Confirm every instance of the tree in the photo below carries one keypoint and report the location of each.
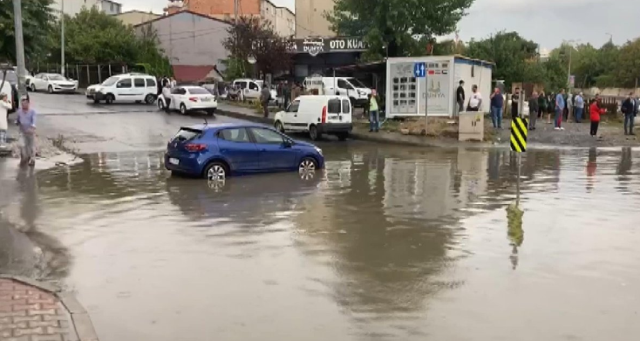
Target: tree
(256, 38)
(511, 54)
(627, 70)
(390, 24)
(36, 25)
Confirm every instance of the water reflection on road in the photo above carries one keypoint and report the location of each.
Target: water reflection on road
(387, 243)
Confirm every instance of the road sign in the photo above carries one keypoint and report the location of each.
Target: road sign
(519, 133)
(419, 70)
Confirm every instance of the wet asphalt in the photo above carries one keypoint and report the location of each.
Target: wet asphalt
(388, 243)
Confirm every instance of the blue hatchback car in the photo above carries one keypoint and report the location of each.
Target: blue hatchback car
(218, 151)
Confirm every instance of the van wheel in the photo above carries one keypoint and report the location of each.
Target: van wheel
(183, 109)
(314, 134)
(109, 98)
(149, 99)
(343, 136)
(279, 127)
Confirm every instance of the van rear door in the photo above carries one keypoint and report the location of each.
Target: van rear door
(347, 111)
(334, 111)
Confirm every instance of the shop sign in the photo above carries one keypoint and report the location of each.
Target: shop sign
(315, 46)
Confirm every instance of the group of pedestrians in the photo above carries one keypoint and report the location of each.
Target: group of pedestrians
(26, 121)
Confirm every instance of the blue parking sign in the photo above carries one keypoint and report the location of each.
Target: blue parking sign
(419, 70)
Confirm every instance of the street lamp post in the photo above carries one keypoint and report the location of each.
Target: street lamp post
(17, 16)
(62, 62)
(570, 43)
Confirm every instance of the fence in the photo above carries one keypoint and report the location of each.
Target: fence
(85, 74)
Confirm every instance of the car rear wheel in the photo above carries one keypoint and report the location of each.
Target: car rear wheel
(149, 99)
(109, 99)
(279, 127)
(314, 134)
(307, 165)
(216, 171)
(50, 89)
(183, 109)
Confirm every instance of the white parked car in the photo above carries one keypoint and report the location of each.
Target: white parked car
(8, 86)
(251, 88)
(317, 115)
(190, 98)
(346, 86)
(51, 82)
(128, 87)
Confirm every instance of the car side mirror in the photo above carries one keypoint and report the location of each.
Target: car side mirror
(287, 143)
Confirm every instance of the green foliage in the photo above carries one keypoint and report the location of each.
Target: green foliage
(594, 67)
(36, 19)
(94, 37)
(390, 24)
(256, 38)
(235, 68)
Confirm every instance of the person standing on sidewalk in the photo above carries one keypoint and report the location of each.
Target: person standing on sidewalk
(534, 108)
(5, 106)
(374, 118)
(27, 125)
(265, 96)
(594, 113)
(475, 101)
(579, 107)
(497, 102)
(560, 106)
(515, 99)
(542, 104)
(460, 96)
(628, 108)
(569, 107)
(551, 106)
(286, 93)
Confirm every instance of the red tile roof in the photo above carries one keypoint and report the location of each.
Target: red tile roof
(191, 73)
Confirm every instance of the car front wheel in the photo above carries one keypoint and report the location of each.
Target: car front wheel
(32, 87)
(160, 104)
(50, 89)
(109, 99)
(279, 127)
(307, 165)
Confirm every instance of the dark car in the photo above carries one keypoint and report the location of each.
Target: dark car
(217, 151)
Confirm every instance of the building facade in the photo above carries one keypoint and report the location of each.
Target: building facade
(282, 18)
(136, 17)
(310, 18)
(73, 7)
(192, 42)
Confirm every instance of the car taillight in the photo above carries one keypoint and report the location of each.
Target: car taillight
(195, 147)
(193, 99)
(324, 114)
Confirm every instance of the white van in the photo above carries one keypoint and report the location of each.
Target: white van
(8, 86)
(251, 88)
(345, 86)
(317, 115)
(128, 87)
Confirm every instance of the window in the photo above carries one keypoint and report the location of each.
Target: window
(178, 91)
(293, 107)
(139, 83)
(110, 81)
(151, 83)
(125, 83)
(253, 86)
(198, 91)
(346, 107)
(267, 136)
(55, 77)
(234, 135)
(242, 85)
(187, 134)
(342, 84)
(334, 106)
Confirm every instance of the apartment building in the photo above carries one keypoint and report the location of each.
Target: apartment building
(310, 18)
(73, 7)
(282, 19)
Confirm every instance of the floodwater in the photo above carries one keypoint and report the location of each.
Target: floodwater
(386, 244)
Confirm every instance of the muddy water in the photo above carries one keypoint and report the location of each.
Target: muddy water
(386, 244)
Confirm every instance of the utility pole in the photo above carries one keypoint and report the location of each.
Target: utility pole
(17, 15)
(62, 62)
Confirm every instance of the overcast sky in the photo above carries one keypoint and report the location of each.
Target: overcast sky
(546, 22)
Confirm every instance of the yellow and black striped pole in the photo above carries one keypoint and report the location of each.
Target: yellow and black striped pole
(519, 133)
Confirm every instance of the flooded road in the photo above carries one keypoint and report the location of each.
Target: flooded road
(386, 244)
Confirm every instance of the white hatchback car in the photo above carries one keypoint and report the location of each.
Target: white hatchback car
(190, 98)
(51, 82)
(128, 87)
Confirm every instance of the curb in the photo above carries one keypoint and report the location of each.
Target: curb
(80, 319)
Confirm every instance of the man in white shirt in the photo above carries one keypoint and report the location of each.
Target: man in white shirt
(475, 101)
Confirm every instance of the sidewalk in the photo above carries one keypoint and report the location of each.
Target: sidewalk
(32, 311)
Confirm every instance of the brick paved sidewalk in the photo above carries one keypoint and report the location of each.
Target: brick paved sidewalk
(30, 311)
